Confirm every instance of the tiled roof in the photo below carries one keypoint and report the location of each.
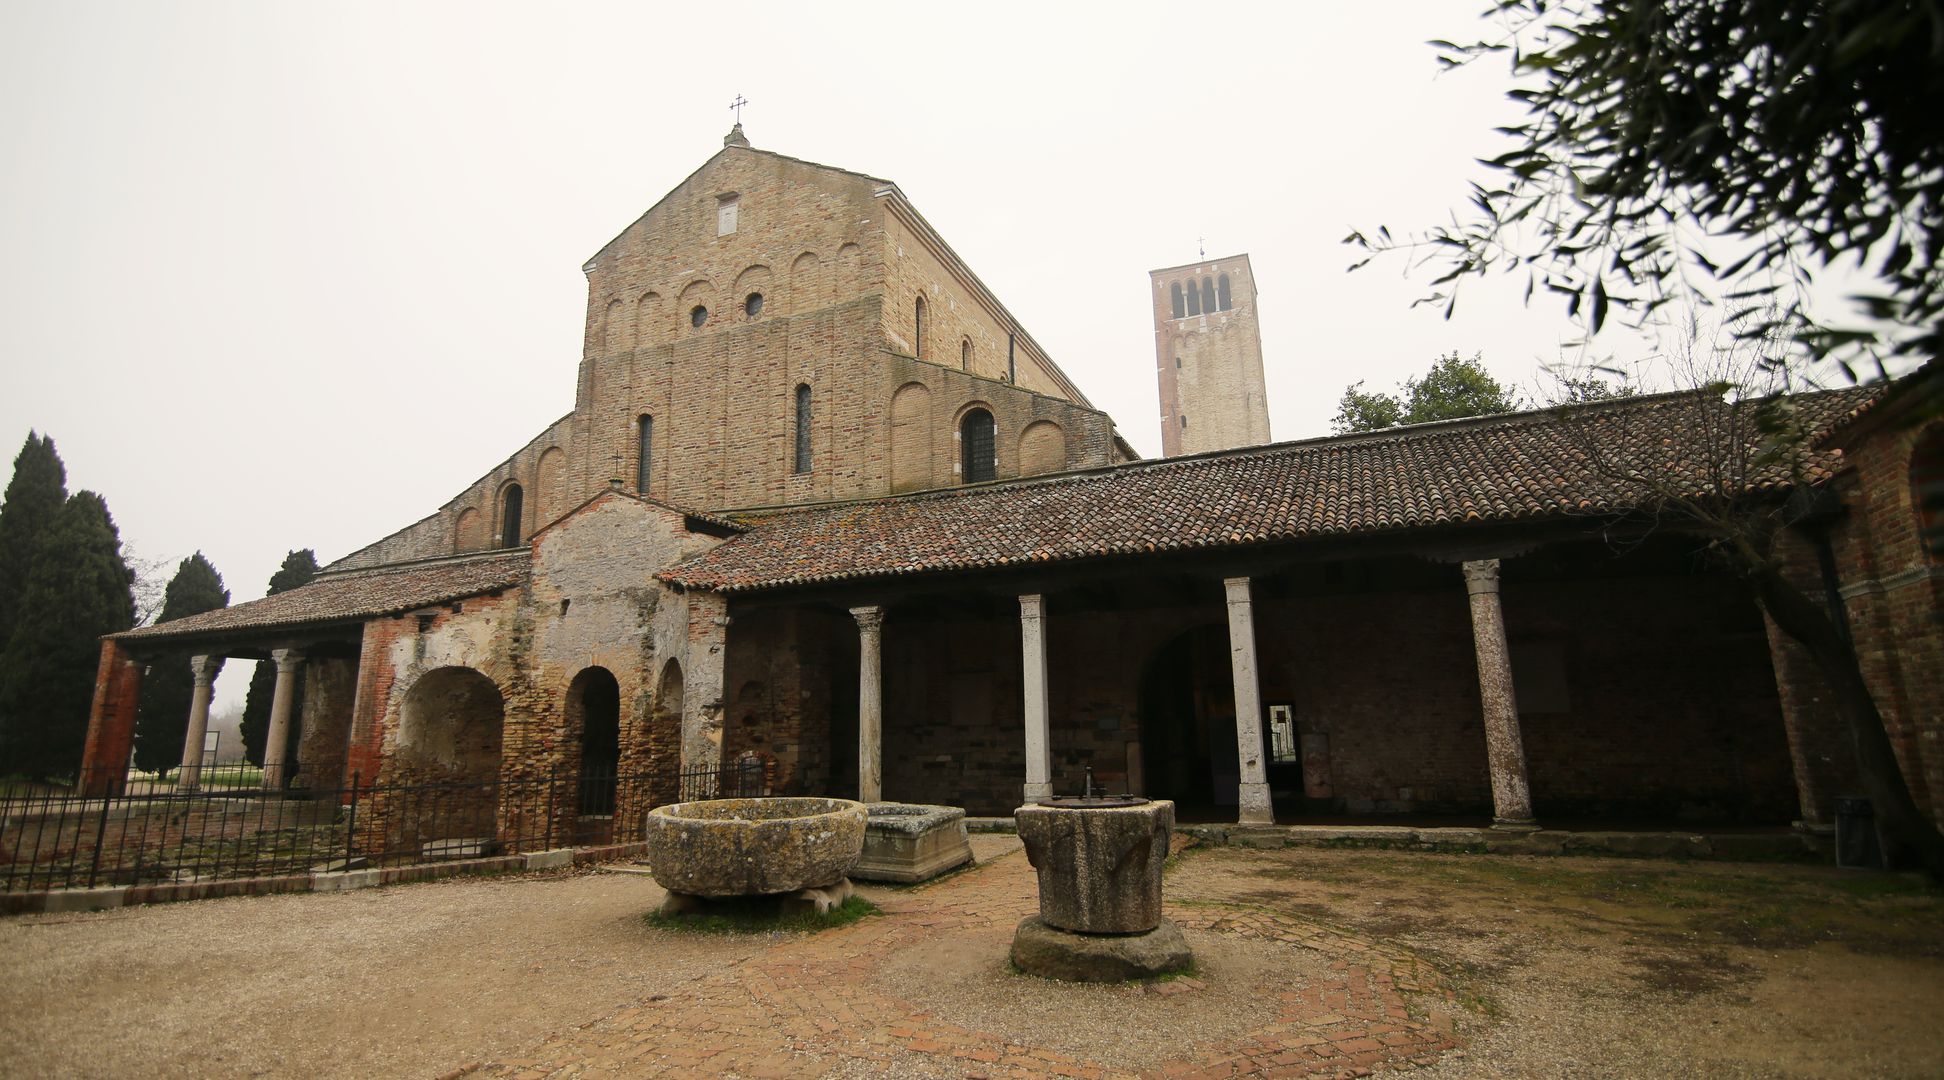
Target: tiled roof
(1515, 467)
(355, 595)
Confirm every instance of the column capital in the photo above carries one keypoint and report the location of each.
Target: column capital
(869, 619)
(1481, 576)
(204, 668)
(286, 659)
(1237, 589)
(1031, 605)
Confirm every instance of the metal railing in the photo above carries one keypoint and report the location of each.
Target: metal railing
(149, 832)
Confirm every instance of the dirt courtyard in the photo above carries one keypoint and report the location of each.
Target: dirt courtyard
(1309, 962)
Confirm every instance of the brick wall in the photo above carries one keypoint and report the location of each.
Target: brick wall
(1892, 590)
(839, 262)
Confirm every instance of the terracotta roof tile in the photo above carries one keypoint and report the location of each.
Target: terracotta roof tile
(1515, 467)
(355, 595)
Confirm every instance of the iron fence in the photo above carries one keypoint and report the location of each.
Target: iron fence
(147, 832)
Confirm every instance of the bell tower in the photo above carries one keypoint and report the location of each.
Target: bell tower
(1208, 357)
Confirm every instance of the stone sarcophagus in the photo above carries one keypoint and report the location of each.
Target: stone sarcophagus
(908, 843)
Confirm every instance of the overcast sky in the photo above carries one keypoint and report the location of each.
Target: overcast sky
(279, 276)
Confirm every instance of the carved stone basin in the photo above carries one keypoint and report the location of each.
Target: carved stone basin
(754, 847)
(1099, 866)
(1099, 860)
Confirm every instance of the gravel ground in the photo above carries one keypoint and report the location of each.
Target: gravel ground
(1606, 967)
(1565, 967)
(400, 981)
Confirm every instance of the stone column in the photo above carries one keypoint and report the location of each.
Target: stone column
(1256, 808)
(870, 704)
(1504, 751)
(1032, 647)
(204, 668)
(288, 662)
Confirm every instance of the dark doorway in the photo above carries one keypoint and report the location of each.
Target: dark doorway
(843, 668)
(1187, 704)
(596, 697)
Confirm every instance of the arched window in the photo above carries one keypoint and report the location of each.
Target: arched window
(510, 509)
(1927, 491)
(1175, 302)
(753, 304)
(977, 441)
(1208, 294)
(965, 354)
(644, 453)
(1222, 292)
(698, 315)
(918, 328)
(802, 428)
(1194, 299)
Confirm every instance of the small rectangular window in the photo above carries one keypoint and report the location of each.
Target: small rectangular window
(726, 215)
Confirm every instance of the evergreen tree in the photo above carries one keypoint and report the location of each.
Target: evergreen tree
(35, 495)
(298, 568)
(162, 717)
(78, 590)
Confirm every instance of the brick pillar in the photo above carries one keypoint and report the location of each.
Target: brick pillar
(204, 668)
(1253, 794)
(364, 748)
(288, 662)
(1504, 750)
(870, 704)
(1032, 647)
(111, 722)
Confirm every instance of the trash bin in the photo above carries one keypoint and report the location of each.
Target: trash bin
(1856, 835)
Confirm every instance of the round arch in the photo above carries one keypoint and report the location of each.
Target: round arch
(450, 728)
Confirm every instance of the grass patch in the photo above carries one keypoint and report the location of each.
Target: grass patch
(761, 915)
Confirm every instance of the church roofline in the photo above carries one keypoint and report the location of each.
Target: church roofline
(902, 205)
(588, 266)
(909, 213)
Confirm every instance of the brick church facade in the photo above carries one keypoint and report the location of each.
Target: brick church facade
(824, 504)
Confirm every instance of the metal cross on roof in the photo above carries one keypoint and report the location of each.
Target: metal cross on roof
(737, 106)
(1201, 247)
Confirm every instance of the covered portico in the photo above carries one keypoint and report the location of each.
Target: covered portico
(1403, 624)
(1380, 679)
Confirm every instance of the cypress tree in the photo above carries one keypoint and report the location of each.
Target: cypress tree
(162, 715)
(35, 495)
(298, 568)
(78, 590)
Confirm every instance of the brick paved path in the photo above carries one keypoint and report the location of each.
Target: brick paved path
(805, 1006)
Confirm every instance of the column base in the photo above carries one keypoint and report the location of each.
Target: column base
(1257, 808)
(1515, 824)
(1033, 793)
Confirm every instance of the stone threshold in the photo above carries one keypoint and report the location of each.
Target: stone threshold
(1730, 846)
(114, 896)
